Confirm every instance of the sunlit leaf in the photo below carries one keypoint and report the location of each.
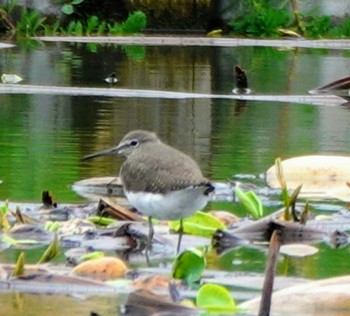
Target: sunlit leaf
(16, 242)
(251, 202)
(200, 224)
(51, 251)
(92, 255)
(52, 226)
(100, 220)
(4, 223)
(19, 268)
(215, 299)
(189, 265)
(257, 202)
(4, 208)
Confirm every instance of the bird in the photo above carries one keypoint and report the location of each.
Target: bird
(160, 181)
(241, 81)
(112, 78)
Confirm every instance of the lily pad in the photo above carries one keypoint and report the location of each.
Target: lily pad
(189, 265)
(200, 224)
(215, 299)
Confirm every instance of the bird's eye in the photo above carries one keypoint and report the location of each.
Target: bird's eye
(134, 143)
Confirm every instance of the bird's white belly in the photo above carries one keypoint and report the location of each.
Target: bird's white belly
(169, 206)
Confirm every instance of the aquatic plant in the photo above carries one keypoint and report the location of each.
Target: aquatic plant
(316, 27)
(135, 23)
(30, 23)
(69, 7)
(261, 21)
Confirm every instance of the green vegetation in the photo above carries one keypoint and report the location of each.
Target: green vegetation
(261, 22)
(29, 23)
(261, 18)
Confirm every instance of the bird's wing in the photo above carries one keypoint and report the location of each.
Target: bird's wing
(173, 170)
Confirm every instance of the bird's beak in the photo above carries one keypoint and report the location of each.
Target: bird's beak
(105, 152)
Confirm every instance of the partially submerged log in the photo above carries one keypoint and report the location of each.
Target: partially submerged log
(338, 87)
(321, 176)
(323, 297)
(260, 232)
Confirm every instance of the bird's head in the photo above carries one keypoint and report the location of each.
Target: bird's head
(130, 142)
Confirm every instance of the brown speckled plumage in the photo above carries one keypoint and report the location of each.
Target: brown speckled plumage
(156, 167)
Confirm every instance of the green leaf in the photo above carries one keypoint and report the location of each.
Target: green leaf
(92, 255)
(251, 202)
(17, 242)
(51, 251)
(19, 268)
(67, 9)
(52, 226)
(75, 2)
(257, 202)
(100, 220)
(135, 22)
(200, 224)
(215, 299)
(4, 209)
(189, 265)
(78, 29)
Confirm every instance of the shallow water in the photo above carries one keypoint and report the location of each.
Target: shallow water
(43, 137)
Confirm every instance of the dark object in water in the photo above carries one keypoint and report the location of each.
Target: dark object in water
(241, 81)
(270, 272)
(107, 207)
(261, 231)
(47, 200)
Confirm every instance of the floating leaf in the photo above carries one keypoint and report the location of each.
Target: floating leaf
(251, 202)
(215, 299)
(189, 265)
(51, 251)
(16, 242)
(200, 224)
(92, 255)
(19, 268)
(100, 220)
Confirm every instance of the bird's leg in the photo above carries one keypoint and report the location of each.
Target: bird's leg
(150, 234)
(181, 230)
(109, 186)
